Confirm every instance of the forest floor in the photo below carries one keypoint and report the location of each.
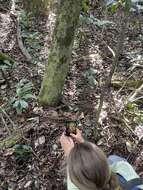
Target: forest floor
(120, 128)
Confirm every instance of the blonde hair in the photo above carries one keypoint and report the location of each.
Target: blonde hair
(88, 168)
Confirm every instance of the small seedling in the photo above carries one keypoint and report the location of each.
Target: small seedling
(23, 94)
(21, 151)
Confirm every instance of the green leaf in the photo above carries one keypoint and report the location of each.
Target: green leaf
(92, 81)
(5, 64)
(29, 96)
(20, 104)
(22, 150)
(114, 7)
(128, 5)
(18, 92)
(131, 106)
(16, 104)
(23, 104)
(93, 20)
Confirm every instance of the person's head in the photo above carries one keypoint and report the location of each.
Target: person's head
(88, 168)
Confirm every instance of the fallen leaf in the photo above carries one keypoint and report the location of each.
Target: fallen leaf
(3, 86)
(38, 110)
(53, 113)
(28, 184)
(8, 152)
(81, 116)
(130, 146)
(40, 141)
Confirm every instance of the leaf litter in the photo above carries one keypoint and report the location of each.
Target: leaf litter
(41, 169)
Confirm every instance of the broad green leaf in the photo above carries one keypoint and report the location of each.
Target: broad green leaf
(20, 104)
(16, 104)
(23, 104)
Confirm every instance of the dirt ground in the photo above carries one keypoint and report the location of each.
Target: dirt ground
(42, 168)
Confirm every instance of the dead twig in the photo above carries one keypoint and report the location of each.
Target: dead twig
(20, 43)
(127, 125)
(5, 125)
(7, 116)
(133, 96)
(123, 120)
(33, 152)
(124, 84)
(4, 77)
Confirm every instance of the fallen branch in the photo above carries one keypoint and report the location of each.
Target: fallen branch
(10, 141)
(13, 138)
(128, 83)
(20, 43)
(124, 84)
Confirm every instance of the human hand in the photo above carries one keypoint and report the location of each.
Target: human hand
(66, 143)
(78, 137)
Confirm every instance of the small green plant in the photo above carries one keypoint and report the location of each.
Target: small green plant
(23, 94)
(87, 20)
(90, 76)
(6, 62)
(21, 151)
(24, 19)
(85, 5)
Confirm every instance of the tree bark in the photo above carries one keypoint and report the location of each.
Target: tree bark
(60, 53)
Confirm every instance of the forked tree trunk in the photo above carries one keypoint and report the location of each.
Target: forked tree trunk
(60, 53)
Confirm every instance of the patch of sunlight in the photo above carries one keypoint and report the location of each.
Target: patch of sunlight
(95, 56)
(47, 41)
(12, 10)
(4, 27)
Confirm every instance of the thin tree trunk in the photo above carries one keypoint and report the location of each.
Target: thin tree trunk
(120, 45)
(60, 53)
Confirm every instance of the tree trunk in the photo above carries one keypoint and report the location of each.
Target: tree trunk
(37, 7)
(60, 53)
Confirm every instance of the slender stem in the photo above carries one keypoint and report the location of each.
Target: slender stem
(118, 52)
